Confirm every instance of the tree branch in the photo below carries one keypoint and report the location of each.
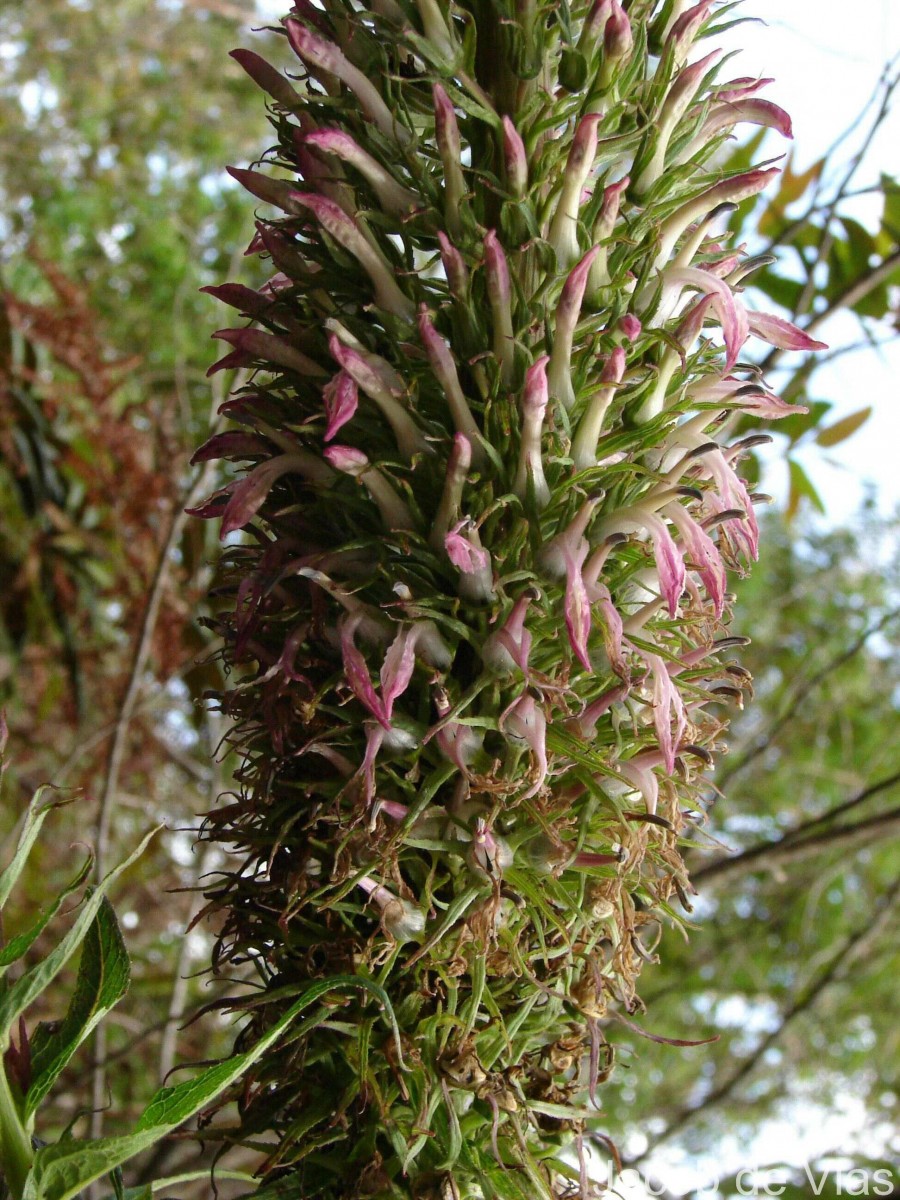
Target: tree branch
(856, 945)
(786, 850)
(798, 695)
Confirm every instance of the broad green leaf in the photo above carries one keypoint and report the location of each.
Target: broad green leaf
(34, 819)
(18, 945)
(61, 1171)
(834, 434)
(103, 977)
(26, 989)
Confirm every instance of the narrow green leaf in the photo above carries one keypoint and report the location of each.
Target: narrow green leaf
(61, 1171)
(26, 989)
(18, 945)
(103, 977)
(34, 819)
(834, 434)
(801, 486)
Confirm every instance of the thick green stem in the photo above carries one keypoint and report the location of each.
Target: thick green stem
(16, 1154)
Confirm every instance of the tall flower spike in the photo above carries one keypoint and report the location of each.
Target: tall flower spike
(506, 638)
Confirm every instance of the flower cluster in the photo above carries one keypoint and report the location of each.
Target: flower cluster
(477, 619)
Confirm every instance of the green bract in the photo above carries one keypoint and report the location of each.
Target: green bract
(476, 622)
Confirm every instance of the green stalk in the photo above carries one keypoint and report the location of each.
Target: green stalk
(16, 1154)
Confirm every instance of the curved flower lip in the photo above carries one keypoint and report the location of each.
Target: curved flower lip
(781, 333)
(730, 311)
(524, 722)
(463, 551)
(341, 400)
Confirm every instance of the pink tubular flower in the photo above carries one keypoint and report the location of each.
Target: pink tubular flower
(510, 645)
(444, 367)
(397, 668)
(577, 604)
(350, 461)
(703, 551)
(515, 159)
(567, 312)
(348, 234)
(341, 399)
(367, 372)
(586, 723)
(618, 40)
(675, 105)
(613, 629)
(667, 704)
(466, 554)
(730, 311)
(500, 297)
(638, 772)
(392, 196)
(729, 191)
(584, 445)
(534, 406)
(265, 76)
(252, 344)
(781, 333)
(489, 854)
(458, 463)
(630, 326)
(454, 267)
(459, 743)
(749, 109)
(326, 56)
(563, 235)
(250, 493)
(357, 673)
(669, 561)
(446, 133)
(524, 723)
(400, 918)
